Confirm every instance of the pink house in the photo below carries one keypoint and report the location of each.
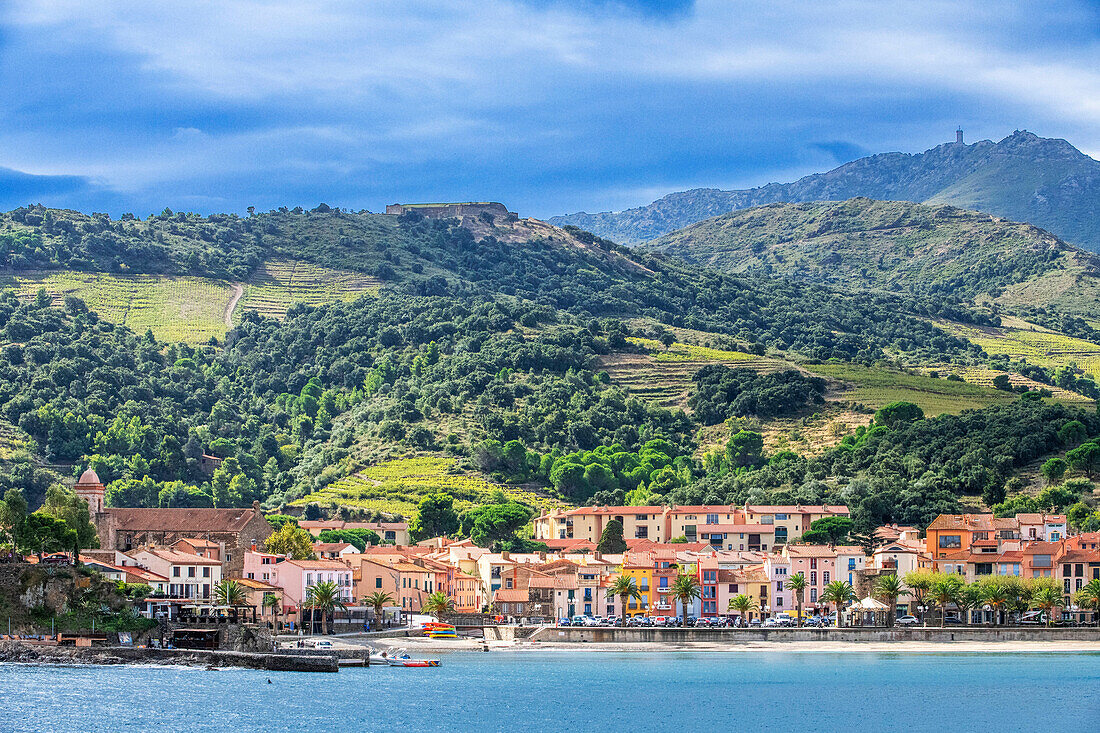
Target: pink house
(818, 564)
(296, 577)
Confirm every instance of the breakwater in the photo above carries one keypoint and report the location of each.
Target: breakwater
(674, 635)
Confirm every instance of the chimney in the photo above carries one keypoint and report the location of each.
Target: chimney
(505, 555)
(255, 506)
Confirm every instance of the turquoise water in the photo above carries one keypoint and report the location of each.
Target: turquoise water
(574, 691)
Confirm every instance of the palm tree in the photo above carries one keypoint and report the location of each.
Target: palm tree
(943, 591)
(797, 583)
(325, 597)
(1046, 598)
(743, 604)
(997, 596)
(685, 590)
(839, 592)
(438, 604)
(274, 603)
(1089, 595)
(230, 593)
(378, 601)
(625, 588)
(919, 582)
(888, 588)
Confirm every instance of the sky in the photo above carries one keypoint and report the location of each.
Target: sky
(550, 106)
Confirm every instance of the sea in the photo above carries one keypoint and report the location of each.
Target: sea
(569, 691)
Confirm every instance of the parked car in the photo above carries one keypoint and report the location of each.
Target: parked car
(564, 622)
(908, 621)
(322, 645)
(578, 620)
(660, 621)
(756, 622)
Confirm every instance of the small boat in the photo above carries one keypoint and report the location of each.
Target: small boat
(414, 663)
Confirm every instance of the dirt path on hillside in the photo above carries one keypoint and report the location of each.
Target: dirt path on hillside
(238, 291)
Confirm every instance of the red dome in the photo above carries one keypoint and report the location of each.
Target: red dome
(89, 477)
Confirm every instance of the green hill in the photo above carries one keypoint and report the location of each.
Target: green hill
(1042, 181)
(900, 247)
(488, 352)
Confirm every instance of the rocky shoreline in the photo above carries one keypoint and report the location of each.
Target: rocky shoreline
(18, 653)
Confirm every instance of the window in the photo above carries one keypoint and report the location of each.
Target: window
(813, 563)
(948, 541)
(175, 572)
(712, 519)
(710, 576)
(813, 577)
(780, 517)
(508, 583)
(190, 571)
(733, 587)
(378, 582)
(779, 586)
(1066, 585)
(229, 557)
(1079, 570)
(825, 577)
(709, 591)
(309, 579)
(780, 535)
(813, 595)
(206, 572)
(641, 532)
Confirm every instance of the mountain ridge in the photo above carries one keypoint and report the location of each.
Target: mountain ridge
(1042, 181)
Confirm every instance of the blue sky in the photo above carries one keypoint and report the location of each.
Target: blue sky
(550, 106)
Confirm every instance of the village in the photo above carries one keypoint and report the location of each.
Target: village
(207, 571)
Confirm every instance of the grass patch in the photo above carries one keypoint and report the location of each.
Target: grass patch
(1026, 341)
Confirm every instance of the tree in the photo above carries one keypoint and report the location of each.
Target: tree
(1053, 470)
(324, 597)
(898, 413)
(828, 531)
(292, 541)
(438, 604)
(66, 505)
(1047, 598)
(43, 533)
(943, 591)
(743, 604)
(611, 539)
(435, 517)
(967, 598)
(230, 593)
(839, 593)
(497, 522)
(686, 589)
(13, 514)
(378, 601)
(888, 588)
(1089, 596)
(797, 584)
(744, 449)
(1002, 382)
(919, 583)
(1085, 457)
(274, 604)
(626, 588)
(1072, 433)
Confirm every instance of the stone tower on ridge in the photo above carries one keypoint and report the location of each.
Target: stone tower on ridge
(959, 136)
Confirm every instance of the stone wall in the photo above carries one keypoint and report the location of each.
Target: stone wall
(612, 635)
(449, 211)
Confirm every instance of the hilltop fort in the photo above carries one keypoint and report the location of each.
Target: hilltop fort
(451, 210)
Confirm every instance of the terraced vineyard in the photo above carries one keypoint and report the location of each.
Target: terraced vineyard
(664, 375)
(1037, 345)
(397, 487)
(877, 387)
(984, 377)
(278, 284)
(189, 309)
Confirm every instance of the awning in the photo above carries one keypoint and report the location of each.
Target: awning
(870, 604)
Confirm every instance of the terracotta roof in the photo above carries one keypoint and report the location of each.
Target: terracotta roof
(319, 564)
(332, 546)
(88, 477)
(972, 522)
(735, 528)
(143, 574)
(1041, 518)
(182, 520)
(176, 557)
(322, 524)
(560, 582)
(255, 584)
(797, 508)
(199, 543)
(512, 595)
(811, 551)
